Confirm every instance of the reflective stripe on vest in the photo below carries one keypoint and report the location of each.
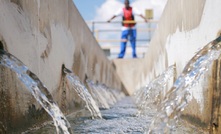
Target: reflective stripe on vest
(128, 15)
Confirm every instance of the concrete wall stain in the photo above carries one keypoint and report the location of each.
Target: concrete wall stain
(216, 99)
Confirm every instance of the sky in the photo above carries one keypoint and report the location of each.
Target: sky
(102, 10)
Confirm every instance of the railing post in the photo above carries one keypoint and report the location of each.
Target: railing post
(149, 27)
(97, 34)
(93, 27)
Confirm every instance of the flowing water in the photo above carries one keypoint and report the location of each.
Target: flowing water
(119, 119)
(104, 96)
(37, 89)
(120, 116)
(179, 96)
(149, 97)
(82, 91)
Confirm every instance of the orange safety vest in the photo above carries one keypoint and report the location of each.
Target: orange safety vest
(128, 15)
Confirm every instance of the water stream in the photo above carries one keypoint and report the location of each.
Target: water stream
(100, 99)
(179, 96)
(105, 96)
(120, 115)
(37, 89)
(119, 119)
(82, 91)
(149, 96)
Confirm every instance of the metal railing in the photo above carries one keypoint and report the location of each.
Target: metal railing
(148, 28)
(110, 44)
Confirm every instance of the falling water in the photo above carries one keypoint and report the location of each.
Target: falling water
(37, 89)
(101, 101)
(107, 94)
(104, 96)
(83, 93)
(152, 93)
(179, 96)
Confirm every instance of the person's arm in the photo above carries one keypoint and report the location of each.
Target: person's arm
(118, 13)
(137, 12)
(145, 19)
(111, 18)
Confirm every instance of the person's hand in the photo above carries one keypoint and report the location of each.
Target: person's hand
(146, 20)
(111, 19)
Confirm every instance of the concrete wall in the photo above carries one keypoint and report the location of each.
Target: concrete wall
(44, 35)
(184, 28)
(216, 98)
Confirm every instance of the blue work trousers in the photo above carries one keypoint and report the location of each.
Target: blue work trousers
(132, 33)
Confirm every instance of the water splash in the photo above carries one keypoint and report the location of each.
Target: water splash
(83, 93)
(37, 89)
(179, 96)
(150, 95)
